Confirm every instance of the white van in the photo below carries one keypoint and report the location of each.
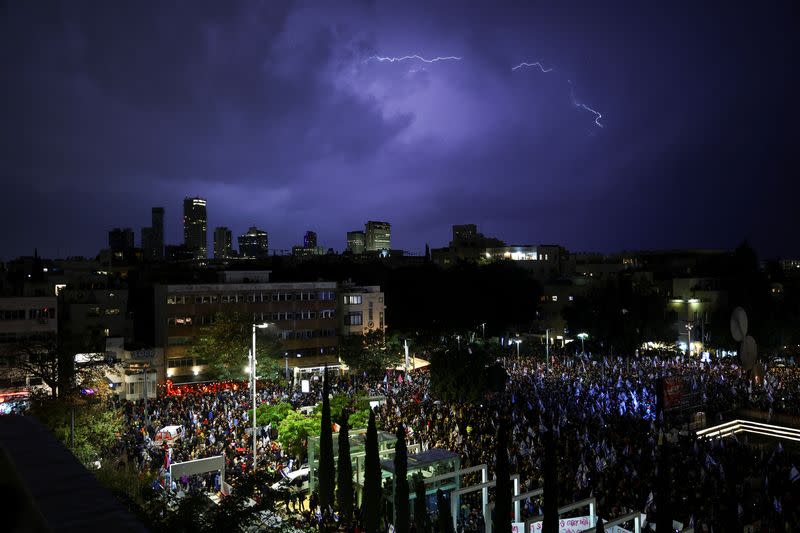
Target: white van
(168, 434)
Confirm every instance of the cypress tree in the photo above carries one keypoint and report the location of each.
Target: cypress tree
(371, 496)
(401, 509)
(327, 469)
(550, 521)
(420, 507)
(445, 518)
(662, 497)
(502, 505)
(344, 488)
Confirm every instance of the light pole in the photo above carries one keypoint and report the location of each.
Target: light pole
(458, 339)
(547, 346)
(518, 342)
(689, 327)
(405, 347)
(583, 337)
(263, 325)
(286, 374)
(483, 331)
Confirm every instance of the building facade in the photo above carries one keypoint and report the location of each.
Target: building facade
(223, 238)
(363, 310)
(195, 236)
(153, 237)
(305, 314)
(254, 244)
(378, 236)
(23, 319)
(356, 242)
(310, 239)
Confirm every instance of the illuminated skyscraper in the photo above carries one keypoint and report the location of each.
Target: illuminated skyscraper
(222, 243)
(195, 236)
(355, 242)
(310, 240)
(378, 236)
(254, 243)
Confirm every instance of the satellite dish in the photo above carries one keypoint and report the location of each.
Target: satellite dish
(749, 353)
(739, 324)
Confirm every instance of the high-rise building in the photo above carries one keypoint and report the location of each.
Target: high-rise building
(254, 243)
(120, 240)
(378, 236)
(153, 236)
(464, 235)
(310, 240)
(222, 243)
(157, 221)
(355, 242)
(195, 236)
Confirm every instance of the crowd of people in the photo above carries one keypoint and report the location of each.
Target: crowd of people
(602, 413)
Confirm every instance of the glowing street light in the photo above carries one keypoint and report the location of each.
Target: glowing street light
(517, 342)
(253, 377)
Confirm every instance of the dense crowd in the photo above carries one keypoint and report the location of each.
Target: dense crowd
(603, 414)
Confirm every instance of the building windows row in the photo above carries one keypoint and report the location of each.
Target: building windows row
(353, 299)
(31, 314)
(289, 334)
(252, 297)
(179, 341)
(179, 321)
(354, 319)
(182, 362)
(294, 315)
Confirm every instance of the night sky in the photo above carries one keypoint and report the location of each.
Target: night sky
(276, 114)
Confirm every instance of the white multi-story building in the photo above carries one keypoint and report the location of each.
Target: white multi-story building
(23, 319)
(363, 309)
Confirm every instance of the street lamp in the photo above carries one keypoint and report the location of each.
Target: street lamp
(263, 325)
(518, 342)
(583, 337)
(483, 330)
(405, 347)
(689, 327)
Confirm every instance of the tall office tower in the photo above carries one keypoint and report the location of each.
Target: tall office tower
(195, 236)
(464, 234)
(222, 243)
(310, 240)
(120, 240)
(355, 242)
(254, 243)
(157, 235)
(378, 236)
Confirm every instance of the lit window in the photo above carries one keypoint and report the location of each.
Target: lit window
(554, 298)
(570, 298)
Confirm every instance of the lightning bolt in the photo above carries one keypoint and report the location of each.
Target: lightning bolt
(576, 103)
(537, 64)
(412, 57)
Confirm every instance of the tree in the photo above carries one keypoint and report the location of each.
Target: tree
(294, 431)
(663, 487)
(371, 495)
(457, 375)
(420, 506)
(96, 426)
(327, 469)
(226, 343)
(372, 352)
(550, 520)
(445, 519)
(502, 505)
(272, 413)
(52, 359)
(344, 487)
(401, 510)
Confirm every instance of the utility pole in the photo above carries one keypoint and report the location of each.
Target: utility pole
(547, 346)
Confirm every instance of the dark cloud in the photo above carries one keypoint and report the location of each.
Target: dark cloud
(270, 111)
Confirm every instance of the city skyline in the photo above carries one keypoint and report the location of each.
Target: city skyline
(627, 127)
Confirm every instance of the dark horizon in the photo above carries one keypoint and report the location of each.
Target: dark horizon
(630, 127)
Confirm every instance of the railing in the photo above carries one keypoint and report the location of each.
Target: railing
(738, 426)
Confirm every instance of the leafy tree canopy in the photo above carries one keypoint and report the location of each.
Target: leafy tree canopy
(225, 345)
